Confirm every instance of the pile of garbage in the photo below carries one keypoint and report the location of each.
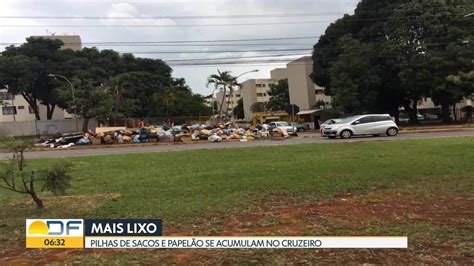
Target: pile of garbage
(153, 134)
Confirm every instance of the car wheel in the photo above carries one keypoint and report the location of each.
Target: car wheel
(346, 134)
(301, 130)
(391, 132)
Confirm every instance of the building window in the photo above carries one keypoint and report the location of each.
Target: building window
(258, 85)
(30, 110)
(5, 96)
(9, 110)
(260, 94)
(237, 95)
(21, 107)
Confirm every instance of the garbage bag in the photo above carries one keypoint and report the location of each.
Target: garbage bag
(83, 141)
(214, 138)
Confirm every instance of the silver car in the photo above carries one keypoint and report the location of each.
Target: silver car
(362, 125)
(284, 125)
(327, 123)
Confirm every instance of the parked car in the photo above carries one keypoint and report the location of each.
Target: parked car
(284, 125)
(431, 116)
(373, 124)
(300, 127)
(327, 123)
(405, 119)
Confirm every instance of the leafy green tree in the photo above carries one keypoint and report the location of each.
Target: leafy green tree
(279, 96)
(239, 109)
(411, 53)
(19, 75)
(45, 58)
(176, 102)
(17, 177)
(93, 99)
(225, 82)
(259, 107)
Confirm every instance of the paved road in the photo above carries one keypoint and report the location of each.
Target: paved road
(304, 139)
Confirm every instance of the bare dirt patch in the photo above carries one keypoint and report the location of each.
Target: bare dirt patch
(346, 214)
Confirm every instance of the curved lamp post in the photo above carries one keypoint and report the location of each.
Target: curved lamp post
(56, 76)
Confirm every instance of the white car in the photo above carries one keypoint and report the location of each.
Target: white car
(373, 124)
(284, 125)
(327, 123)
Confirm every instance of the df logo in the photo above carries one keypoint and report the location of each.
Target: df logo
(54, 227)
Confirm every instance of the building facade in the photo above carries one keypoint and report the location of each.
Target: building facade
(229, 102)
(255, 91)
(72, 42)
(15, 109)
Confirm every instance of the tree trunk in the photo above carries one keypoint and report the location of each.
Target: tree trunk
(85, 125)
(231, 90)
(412, 109)
(454, 112)
(222, 103)
(446, 114)
(32, 102)
(38, 201)
(50, 111)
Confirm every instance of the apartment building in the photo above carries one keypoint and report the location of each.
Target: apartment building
(255, 91)
(209, 100)
(279, 74)
(72, 42)
(230, 102)
(15, 109)
(303, 91)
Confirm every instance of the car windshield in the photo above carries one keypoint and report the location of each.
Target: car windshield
(346, 120)
(331, 121)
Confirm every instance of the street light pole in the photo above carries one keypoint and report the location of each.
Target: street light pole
(55, 76)
(230, 94)
(252, 71)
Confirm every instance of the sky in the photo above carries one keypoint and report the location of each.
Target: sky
(179, 21)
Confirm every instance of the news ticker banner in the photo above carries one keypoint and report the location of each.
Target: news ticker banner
(148, 233)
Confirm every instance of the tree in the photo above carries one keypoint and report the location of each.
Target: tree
(353, 94)
(239, 109)
(19, 75)
(259, 107)
(16, 177)
(410, 53)
(429, 38)
(178, 101)
(279, 96)
(223, 81)
(93, 99)
(43, 57)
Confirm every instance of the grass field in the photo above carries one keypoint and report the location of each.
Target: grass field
(420, 188)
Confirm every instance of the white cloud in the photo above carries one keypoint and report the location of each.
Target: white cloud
(195, 75)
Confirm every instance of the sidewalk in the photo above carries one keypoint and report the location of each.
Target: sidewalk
(440, 128)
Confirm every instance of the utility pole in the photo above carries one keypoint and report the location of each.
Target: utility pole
(55, 76)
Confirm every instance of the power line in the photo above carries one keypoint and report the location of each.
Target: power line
(274, 50)
(202, 25)
(168, 26)
(226, 58)
(186, 41)
(274, 15)
(179, 17)
(196, 45)
(219, 51)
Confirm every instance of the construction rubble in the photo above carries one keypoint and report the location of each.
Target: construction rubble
(154, 134)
